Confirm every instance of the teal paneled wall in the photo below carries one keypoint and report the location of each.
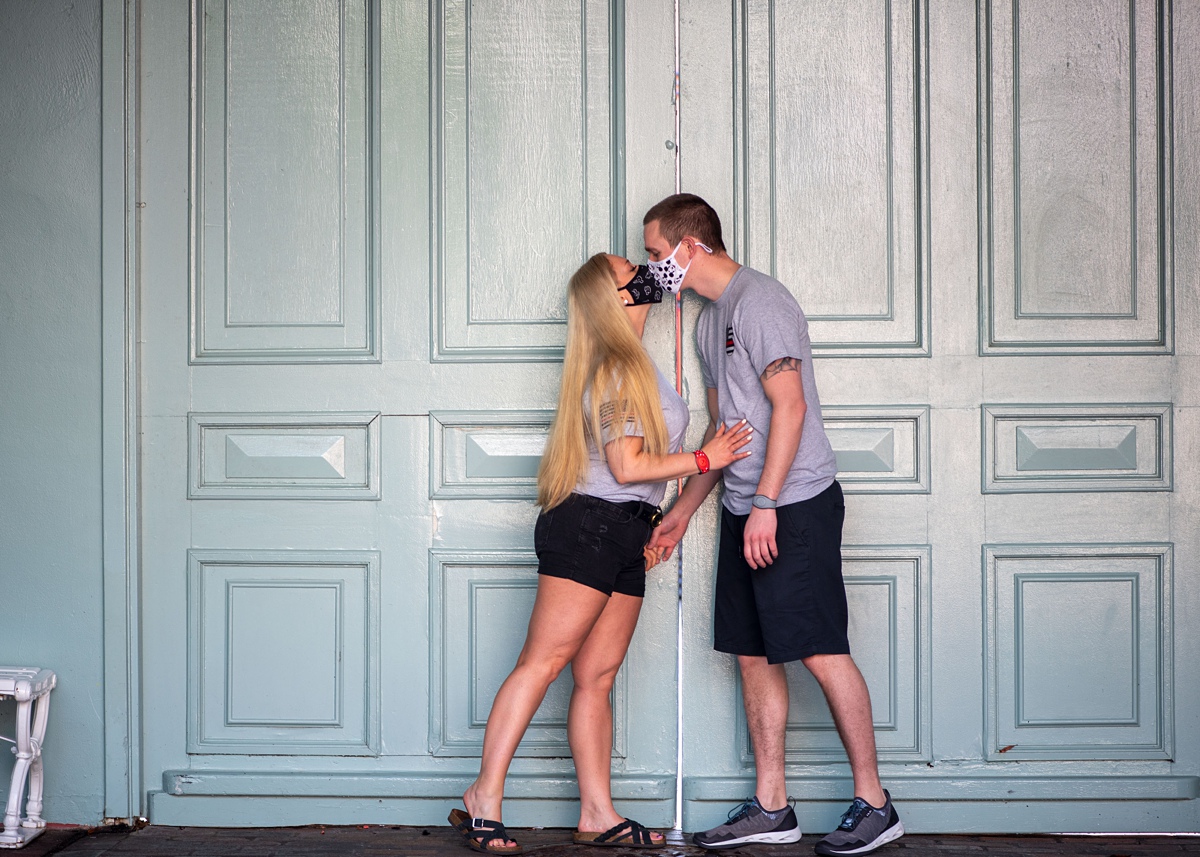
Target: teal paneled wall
(50, 487)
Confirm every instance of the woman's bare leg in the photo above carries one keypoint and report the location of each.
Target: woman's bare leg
(590, 719)
(564, 613)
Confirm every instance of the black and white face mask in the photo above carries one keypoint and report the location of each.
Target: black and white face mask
(670, 273)
(643, 288)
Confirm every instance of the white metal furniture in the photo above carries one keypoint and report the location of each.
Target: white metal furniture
(30, 687)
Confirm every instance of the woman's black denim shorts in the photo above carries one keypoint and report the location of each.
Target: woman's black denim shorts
(594, 542)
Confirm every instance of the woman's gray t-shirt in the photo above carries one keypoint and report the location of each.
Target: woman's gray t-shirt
(599, 481)
(755, 322)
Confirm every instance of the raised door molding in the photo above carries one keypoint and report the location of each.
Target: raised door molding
(479, 603)
(275, 456)
(486, 454)
(880, 450)
(283, 652)
(1078, 643)
(284, 218)
(889, 597)
(1059, 448)
(847, 232)
(1075, 177)
(528, 145)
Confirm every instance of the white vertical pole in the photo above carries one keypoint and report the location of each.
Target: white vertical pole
(678, 826)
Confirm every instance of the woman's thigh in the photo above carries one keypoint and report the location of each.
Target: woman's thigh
(604, 649)
(564, 614)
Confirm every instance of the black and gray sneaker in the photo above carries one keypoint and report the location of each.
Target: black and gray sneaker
(751, 823)
(863, 829)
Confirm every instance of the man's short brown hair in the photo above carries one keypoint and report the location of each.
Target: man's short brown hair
(686, 214)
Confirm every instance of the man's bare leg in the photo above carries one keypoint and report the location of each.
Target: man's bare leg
(765, 695)
(850, 703)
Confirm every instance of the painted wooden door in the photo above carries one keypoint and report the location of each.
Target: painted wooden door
(357, 221)
(354, 222)
(975, 206)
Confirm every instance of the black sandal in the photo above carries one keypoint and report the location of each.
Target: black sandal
(480, 831)
(627, 834)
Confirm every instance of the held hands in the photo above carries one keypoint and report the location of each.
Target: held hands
(724, 447)
(653, 556)
(667, 535)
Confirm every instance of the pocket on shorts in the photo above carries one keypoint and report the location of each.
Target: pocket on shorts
(593, 531)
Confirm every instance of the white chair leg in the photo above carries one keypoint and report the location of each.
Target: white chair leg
(33, 807)
(12, 812)
(29, 688)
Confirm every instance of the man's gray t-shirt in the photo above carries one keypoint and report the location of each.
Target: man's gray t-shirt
(599, 481)
(755, 322)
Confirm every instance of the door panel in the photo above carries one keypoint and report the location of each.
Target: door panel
(1075, 186)
(341, 447)
(803, 64)
(887, 591)
(525, 137)
(285, 652)
(1014, 609)
(285, 183)
(355, 222)
(1104, 612)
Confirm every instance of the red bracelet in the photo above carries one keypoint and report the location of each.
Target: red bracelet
(701, 460)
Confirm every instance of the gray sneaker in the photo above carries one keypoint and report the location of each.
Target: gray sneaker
(751, 823)
(863, 829)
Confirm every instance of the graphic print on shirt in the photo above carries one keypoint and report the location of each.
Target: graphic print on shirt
(729, 339)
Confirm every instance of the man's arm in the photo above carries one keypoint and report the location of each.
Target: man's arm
(785, 391)
(675, 522)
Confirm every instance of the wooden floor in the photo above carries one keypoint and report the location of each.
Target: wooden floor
(156, 841)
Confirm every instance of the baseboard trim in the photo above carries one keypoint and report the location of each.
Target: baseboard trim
(273, 799)
(960, 788)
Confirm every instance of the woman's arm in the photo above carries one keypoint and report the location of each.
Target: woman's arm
(675, 522)
(629, 462)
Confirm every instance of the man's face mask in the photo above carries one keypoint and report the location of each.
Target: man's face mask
(643, 288)
(670, 273)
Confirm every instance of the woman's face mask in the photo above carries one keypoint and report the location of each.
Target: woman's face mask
(670, 273)
(643, 288)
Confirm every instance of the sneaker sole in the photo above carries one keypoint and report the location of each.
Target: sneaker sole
(890, 835)
(780, 837)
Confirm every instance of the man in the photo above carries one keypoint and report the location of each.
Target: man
(779, 590)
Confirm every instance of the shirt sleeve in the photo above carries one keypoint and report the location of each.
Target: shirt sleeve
(608, 409)
(631, 428)
(702, 336)
(770, 329)
(705, 374)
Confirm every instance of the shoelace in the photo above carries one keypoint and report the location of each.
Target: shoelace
(736, 815)
(856, 813)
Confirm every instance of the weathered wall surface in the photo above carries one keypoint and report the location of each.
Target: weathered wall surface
(50, 480)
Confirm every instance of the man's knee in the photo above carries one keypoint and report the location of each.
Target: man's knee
(750, 663)
(829, 666)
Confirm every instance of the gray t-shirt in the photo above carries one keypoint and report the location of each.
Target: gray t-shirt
(599, 481)
(755, 322)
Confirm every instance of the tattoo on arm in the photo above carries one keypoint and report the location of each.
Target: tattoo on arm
(783, 364)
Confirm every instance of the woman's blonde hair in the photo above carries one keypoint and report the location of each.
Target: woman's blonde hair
(604, 356)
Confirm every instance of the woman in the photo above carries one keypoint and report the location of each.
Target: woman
(599, 506)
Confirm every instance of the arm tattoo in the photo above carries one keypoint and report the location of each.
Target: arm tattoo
(783, 364)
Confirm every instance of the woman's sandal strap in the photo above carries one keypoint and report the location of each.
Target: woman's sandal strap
(483, 831)
(636, 833)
